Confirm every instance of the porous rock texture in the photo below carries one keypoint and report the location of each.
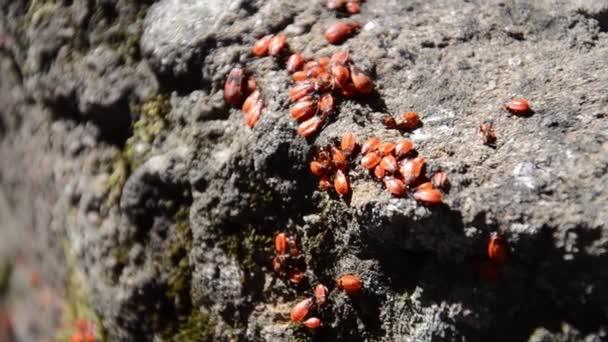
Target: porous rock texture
(121, 162)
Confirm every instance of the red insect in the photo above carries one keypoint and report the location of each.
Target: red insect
(403, 148)
(324, 62)
(260, 47)
(326, 105)
(301, 89)
(427, 195)
(363, 84)
(277, 45)
(389, 122)
(84, 331)
(251, 101)
(370, 145)
(299, 76)
(324, 183)
(338, 158)
(497, 249)
(348, 144)
(312, 65)
(518, 107)
(317, 168)
(252, 107)
(251, 85)
(312, 323)
(349, 283)
(320, 294)
(349, 90)
(440, 180)
(395, 186)
(389, 164)
(324, 82)
(341, 183)
(296, 277)
(335, 4)
(486, 134)
(379, 172)
(310, 126)
(280, 243)
(234, 88)
(313, 71)
(386, 148)
(425, 186)
(294, 63)
(411, 169)
(353, 7)
(370, 160)
(304, 108)
(340, 31)
(278, 264)
(300, 310)
(410, 120)
(339, 58)
(253, 116)
(341, 75)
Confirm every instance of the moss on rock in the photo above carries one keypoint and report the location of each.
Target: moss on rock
(77, 302)
(173, 263)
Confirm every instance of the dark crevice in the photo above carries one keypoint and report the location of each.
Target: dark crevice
(601, 17)
(543, 290)
(114, 123)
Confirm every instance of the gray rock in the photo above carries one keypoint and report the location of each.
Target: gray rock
(186, 252)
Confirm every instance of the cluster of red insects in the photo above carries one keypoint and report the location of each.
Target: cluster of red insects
(318, 78)
(409, 121)
(240, 88)
(340, 31)
(351, 284)
(288, 262)
(351, 6)
(331, 164)
(486, 133)
(489, 269)
(393, 164)
(316, 81)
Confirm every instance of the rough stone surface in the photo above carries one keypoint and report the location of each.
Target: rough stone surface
(121, 163)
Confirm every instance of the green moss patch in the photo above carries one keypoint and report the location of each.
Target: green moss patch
(150, 124)
(78, 306)
(173, 263)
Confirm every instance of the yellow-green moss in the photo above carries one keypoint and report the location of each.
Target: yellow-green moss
(149, 125)
(151, 121)
(245, 244)
(196, 327)
(6, 270)
(261, 199)
(118, 177)
(77, 300)
(191, 324)
(39, 9)
(175, 260)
